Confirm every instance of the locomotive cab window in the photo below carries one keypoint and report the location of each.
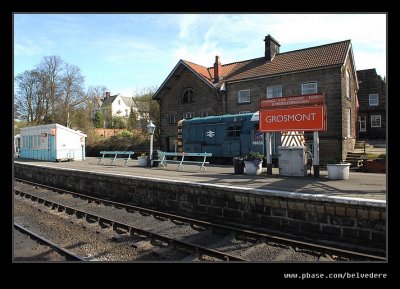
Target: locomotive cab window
(234, 131)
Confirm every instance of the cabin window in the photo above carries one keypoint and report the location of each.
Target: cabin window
(234, 131)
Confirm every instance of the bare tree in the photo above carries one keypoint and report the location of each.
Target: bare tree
(51, 68)
(72, 91)
(27, 102)
(53, 92)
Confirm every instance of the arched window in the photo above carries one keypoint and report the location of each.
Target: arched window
(188, 95)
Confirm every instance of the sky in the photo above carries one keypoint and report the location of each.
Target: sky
(129, 52)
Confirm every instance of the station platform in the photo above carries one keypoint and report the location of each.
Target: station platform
(365, 186)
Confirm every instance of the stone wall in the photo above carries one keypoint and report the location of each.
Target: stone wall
(331, 82)
(360, 223)
(204, 101)
(370, 82)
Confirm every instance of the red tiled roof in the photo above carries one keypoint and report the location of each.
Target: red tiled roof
(203, 71)
(309, 58)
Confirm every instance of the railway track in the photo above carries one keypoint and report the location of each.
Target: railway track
(194, 223)
(68, 255)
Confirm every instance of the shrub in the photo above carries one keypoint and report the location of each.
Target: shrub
(254, 157)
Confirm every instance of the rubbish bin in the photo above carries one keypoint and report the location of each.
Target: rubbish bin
(238, 165)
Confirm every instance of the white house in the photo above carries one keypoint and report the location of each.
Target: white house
(118, 105)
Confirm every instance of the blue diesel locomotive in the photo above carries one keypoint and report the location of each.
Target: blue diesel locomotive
(225, 136)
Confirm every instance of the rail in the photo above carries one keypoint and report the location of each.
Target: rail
(129, 229)
(200, 223)
(70, 256)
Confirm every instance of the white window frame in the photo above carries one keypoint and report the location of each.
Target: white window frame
(348, 95)
(119, 102)
(189, 115)
(376, 117)
(308, 90)
(271, 92)
(362, 120)
(244, 96)
(370, 97)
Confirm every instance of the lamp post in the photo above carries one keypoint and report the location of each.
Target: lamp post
(151, 128)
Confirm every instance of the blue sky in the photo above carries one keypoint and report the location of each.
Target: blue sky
(127, 52)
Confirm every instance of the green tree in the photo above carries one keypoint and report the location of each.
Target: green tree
(149, 109)
(98, 119)
(132, 120)
(118, 122)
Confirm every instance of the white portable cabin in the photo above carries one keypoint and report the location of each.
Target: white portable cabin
(52, 142)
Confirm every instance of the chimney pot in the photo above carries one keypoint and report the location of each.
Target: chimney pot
(271, 47)
(217, 70)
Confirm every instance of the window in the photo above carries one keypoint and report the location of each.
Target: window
(373, 99)
(244, 111)
(375, 120)
(348, 85)
(244, 96)
(309, 88)
(233, 132)
(349, 127)
(187, 95)
(189, 115)
(126, 112)
(119, 102)
(362, 119)
(274, 91)
(172, 118)
(203, 113)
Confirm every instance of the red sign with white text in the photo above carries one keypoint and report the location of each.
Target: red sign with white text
(307, 118)
(300, 100)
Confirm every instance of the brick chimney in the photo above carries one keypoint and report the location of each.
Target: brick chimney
(217, 70)
(271, 47)
(107, 94)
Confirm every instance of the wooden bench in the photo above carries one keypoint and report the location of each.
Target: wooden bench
(164, 160)
(123, 155)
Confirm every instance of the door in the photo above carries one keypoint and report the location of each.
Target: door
(52, 147)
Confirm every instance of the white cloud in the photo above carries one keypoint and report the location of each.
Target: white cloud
(368, 60)
(187, 24)
(237, 37)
